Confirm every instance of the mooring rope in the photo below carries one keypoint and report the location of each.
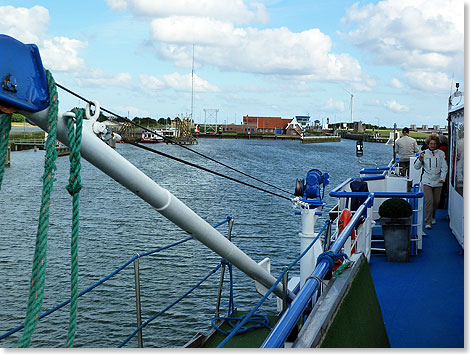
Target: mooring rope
(38, 275)
(5, 127)
(74, 187)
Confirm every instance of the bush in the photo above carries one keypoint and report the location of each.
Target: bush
(395, 208)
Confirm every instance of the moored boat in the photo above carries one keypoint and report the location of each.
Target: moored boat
(152, 137)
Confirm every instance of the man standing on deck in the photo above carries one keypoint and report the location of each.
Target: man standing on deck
(406, 147)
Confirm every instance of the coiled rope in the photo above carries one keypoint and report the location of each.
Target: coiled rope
(260, 321)
(74, 187)
(38, 275)
(5, 127)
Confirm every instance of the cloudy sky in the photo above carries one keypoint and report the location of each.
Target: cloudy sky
(267, 58)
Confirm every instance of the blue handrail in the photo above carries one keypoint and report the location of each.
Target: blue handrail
(260, 302)
(16, 329)
(289, 319)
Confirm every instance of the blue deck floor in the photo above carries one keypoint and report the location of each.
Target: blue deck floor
(422, 301)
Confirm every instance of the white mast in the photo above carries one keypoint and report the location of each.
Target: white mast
(351, 104)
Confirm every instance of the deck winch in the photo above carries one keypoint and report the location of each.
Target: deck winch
(309, 189)
(309, 201)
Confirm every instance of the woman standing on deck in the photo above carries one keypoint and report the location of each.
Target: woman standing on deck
(433, 176)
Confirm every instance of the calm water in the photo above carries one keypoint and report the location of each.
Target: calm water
(115, 225)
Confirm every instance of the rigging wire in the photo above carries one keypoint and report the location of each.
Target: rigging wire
(205, 169)
(173, 141)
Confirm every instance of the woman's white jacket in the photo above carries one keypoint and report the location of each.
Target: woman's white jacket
(434, 167)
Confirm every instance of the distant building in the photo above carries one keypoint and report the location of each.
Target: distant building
(294, 128)
(413, 127)
(303, 121)
(275, 125)
(424, 127)
(436, 127)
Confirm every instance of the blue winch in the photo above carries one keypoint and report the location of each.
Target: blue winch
(309, 189)
(23, 79)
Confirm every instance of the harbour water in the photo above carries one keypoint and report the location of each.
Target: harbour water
(115, 225)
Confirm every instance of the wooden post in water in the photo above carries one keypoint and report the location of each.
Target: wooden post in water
(7, 162)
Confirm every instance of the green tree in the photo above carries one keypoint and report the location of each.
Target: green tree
(16, 117)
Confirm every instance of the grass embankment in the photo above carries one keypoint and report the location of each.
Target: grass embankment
(26, 135)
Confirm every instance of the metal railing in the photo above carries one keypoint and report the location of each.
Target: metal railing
(135, 261)
(279, 279)
(289, 319)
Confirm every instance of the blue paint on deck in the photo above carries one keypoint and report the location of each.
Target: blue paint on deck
(422, 301)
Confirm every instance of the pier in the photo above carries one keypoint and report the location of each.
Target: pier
(25, 144)
(371, 138)
(304, 140)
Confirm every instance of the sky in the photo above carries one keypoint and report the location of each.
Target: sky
(396, 60)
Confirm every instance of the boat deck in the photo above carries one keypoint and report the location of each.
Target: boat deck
(422, 301)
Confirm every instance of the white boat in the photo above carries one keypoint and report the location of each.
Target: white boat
(152, 137)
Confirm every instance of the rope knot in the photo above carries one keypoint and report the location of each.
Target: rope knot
(74, 187)
(331, 257)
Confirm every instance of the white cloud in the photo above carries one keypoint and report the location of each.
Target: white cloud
(427, 81)
(151, 82)
(267, 51)
(396, 83)
(334, 106)
(422, 35)
(30, 25)
(25, 25)
(133, 111)
(360, 87)
(182, 82)
(235, 11)
(394, 106)
(99, 78)
(61, 54)
(212, 26)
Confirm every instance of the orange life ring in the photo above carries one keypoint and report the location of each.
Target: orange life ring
(344, 219)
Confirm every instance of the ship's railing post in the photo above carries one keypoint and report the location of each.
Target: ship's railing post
(285, 280)
(137, 299)
(222, 273)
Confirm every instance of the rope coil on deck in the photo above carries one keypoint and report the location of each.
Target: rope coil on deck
(260, 320)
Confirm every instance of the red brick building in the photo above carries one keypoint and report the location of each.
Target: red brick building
(276, 125)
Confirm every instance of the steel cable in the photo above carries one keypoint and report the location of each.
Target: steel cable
(206, 169)
(173, 141)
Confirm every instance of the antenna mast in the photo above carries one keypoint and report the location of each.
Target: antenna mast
(192, 89)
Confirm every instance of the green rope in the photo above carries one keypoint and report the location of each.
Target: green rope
(38, 275)
(5, 126)
(74, 187)
(343, 266)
